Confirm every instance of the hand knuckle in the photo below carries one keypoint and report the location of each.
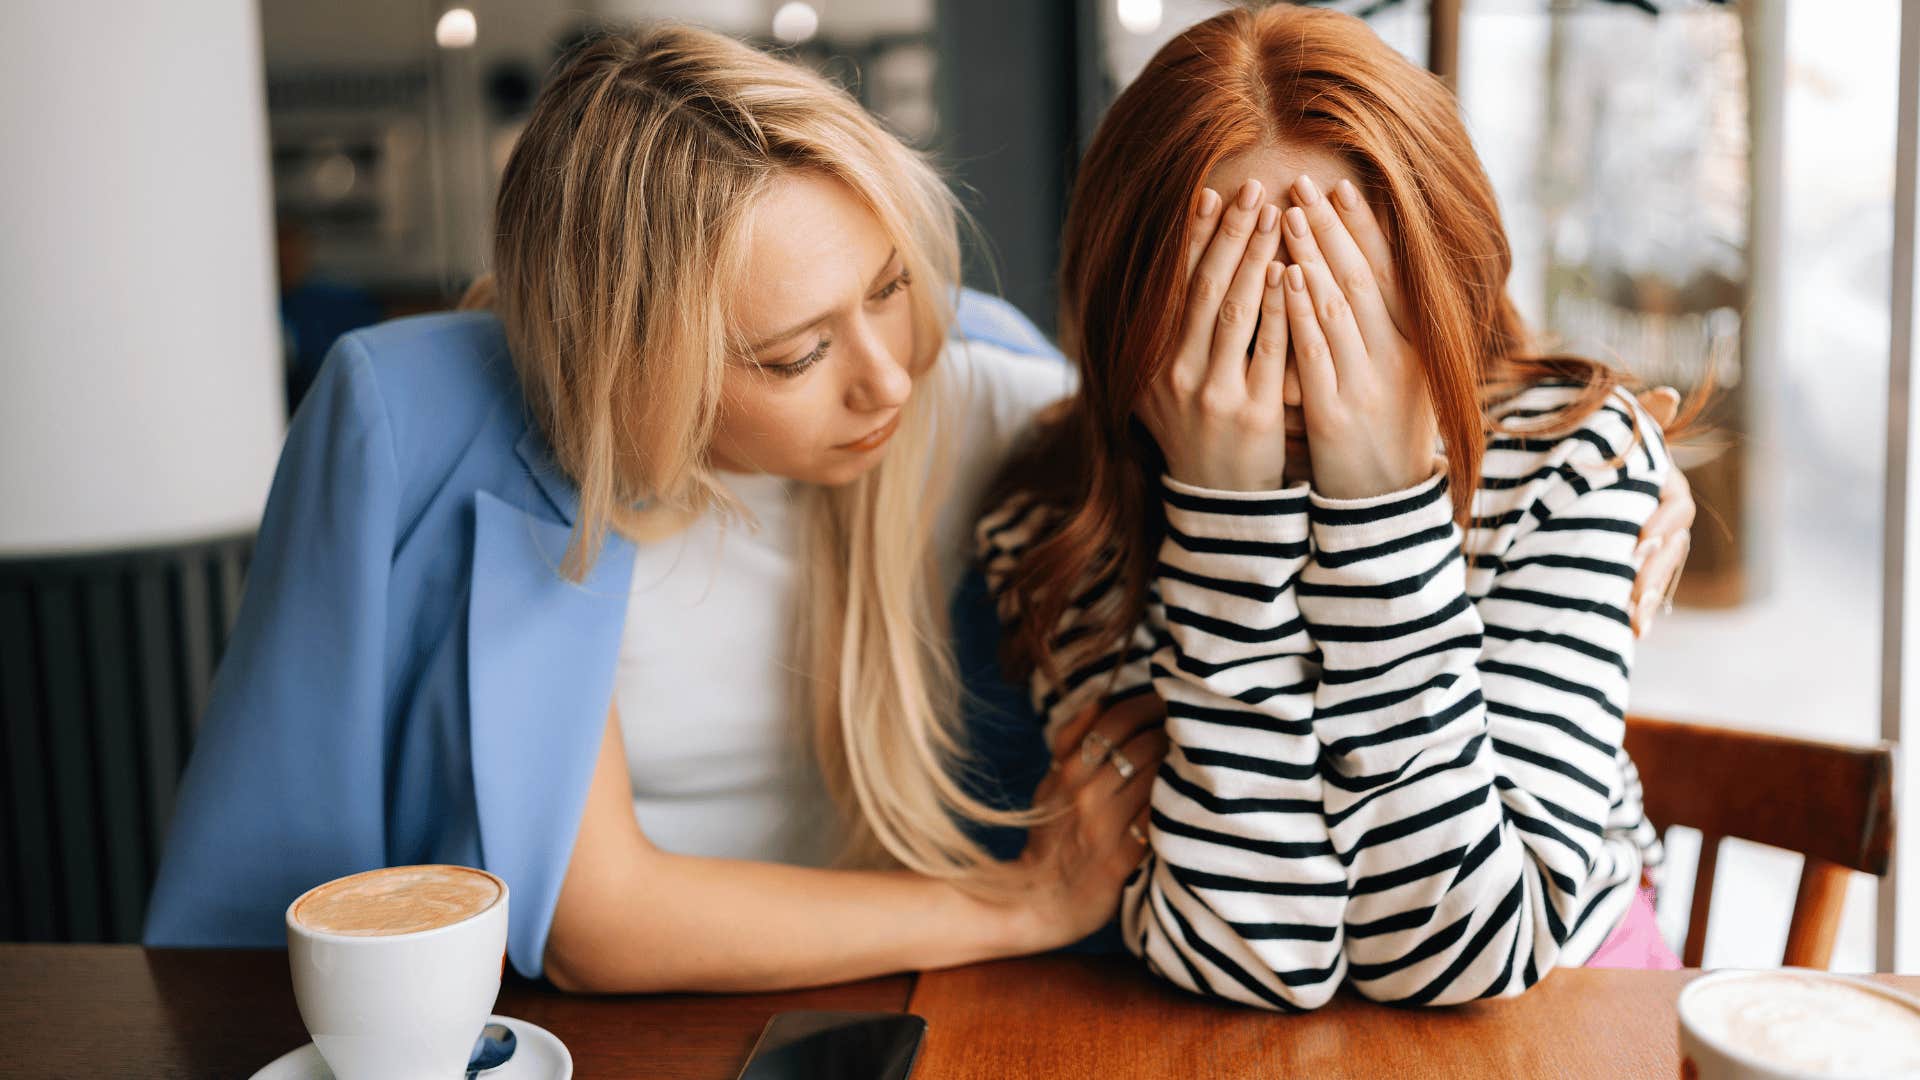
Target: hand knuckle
(1215, 402)
(1316, 352)
(1234, 311)
(1333, 308)
(1357, 280)
(1085, 802)
(1205, 289)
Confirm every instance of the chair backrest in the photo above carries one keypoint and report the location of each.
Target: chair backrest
(1830, 802)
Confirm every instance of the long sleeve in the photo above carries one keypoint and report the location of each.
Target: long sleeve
(1473, 758)
(284, 786)
(1240, 894)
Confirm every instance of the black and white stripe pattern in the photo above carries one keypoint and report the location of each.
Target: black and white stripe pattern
(1391, 762)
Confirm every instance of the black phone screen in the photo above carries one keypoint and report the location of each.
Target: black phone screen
(815, 1045)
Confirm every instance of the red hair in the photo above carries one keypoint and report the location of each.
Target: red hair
(1245, 80)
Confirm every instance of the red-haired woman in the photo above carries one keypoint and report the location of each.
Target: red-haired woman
(1375, 552)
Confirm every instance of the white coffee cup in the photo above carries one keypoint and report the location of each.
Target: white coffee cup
(390, 986)
(1795, 1024)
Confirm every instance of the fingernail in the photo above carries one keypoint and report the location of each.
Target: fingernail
(1209, 202)
(1647, 547)
(1274, 270)
(1348, 195)
(1296, 278)
(1268, 215)
(1297, 222)
(1249, 194)
(1308, 191)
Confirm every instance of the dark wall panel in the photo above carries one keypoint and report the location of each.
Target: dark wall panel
(105, 664)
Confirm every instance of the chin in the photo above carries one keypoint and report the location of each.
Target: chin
(843, 475)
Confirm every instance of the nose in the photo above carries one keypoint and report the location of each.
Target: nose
(1290, 386)
(880, 380)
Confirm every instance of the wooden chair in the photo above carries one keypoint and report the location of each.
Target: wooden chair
(1831, 803)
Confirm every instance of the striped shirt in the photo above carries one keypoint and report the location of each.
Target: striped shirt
(1395, 758)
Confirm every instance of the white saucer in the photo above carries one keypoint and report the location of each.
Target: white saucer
(537, 1055)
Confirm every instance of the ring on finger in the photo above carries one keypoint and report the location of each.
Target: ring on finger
(1121, 764)
(1139, 837)
(1095, 747)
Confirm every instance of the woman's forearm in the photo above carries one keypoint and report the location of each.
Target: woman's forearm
(632, 918)
(677, 922)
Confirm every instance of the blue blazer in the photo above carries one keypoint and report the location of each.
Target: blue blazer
(410, 680)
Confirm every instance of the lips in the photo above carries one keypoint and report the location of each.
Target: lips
(876, 438)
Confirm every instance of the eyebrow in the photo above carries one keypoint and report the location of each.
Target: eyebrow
(872, 284)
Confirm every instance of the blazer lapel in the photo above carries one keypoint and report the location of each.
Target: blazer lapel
(541, 653)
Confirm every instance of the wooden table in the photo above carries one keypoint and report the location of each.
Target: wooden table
(1106, 1018)
(113, 1010)
(120, 1010)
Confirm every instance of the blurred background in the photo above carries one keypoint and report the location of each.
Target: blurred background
(202, 197)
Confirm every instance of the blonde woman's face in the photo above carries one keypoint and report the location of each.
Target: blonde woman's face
(830, 364)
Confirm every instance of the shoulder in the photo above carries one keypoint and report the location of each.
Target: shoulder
(430, 370)
(1540, 460)
(440, 389)
(1619, 441)
(991, 320)
(1001, 364)
(1001, 390)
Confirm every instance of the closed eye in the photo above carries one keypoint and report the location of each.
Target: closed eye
(890, 288)
(796, 367)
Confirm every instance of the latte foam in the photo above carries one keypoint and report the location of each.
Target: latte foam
(396, 900)
(1809, 1024)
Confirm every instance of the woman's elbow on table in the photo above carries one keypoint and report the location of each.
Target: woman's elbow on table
(562, 975)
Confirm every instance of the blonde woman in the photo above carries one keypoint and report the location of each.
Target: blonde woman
(561, 589)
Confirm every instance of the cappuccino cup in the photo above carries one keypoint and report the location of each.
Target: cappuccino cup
(395, 971)
(1792, 1024)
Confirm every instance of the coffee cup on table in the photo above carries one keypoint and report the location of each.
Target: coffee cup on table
(396, 970)
(1796, 1025)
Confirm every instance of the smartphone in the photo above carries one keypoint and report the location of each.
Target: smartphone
(820, 1045)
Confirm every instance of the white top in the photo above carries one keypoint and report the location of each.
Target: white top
(1392, 762)
(719, 753)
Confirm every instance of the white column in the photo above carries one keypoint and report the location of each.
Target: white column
(140, 371)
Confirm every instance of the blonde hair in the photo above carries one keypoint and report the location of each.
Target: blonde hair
(620, 218)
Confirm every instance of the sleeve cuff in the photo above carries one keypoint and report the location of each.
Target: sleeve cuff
(1242, 515)
(1340, 524)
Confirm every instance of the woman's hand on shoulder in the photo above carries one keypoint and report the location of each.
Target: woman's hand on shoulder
(1667, 537)
(1369, 419)
(1070, 875)
(1216, 410)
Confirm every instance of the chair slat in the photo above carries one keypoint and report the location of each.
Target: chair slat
(1696, 946)
(1816, 914)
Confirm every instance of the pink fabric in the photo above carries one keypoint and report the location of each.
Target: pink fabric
(1636, 942)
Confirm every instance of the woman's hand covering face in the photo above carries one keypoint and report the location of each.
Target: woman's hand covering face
(1363, 389)
(1216, 411)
